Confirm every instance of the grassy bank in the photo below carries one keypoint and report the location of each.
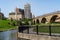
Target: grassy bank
(5, 26)
(44, 28)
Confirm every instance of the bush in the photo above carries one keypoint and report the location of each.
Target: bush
(11, 22)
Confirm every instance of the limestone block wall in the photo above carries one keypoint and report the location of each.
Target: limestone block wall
(12, 16)
(37, 37)
(47, 16)
(15, 17)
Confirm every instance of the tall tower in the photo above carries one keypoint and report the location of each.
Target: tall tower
(27, 11)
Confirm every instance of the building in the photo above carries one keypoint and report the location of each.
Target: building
(17, 15)
(1, 14)
(27, 11)
(21, 13)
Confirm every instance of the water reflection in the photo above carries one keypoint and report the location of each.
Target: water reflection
(9, 35)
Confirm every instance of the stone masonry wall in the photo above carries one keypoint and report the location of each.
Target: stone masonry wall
(37, 37)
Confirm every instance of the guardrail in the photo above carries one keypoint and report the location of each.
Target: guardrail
(28, 30)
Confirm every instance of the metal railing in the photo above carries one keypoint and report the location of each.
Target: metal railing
(28, 30)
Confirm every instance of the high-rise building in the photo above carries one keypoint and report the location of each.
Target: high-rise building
(27, 11)
(21, 13)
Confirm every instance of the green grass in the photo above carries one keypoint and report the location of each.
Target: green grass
(55, 28)
(5, 26)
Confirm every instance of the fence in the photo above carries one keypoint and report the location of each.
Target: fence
(43, 30)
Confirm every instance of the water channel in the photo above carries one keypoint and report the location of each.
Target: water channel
(9, 35)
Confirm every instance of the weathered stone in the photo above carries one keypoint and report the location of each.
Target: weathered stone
(37, 37)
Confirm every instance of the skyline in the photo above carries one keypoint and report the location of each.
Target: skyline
(37, 6)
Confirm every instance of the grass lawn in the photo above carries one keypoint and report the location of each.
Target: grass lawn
(55, 28)
(5, 26)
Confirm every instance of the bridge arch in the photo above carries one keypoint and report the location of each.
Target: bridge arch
(53, 18)
(43, 20)
(34, 22)
(37, 21)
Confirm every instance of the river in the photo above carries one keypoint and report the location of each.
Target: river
(9, 35)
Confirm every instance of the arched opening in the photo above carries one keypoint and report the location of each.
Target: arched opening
(53, 18)
(37, 21)
(34, 22)
(43, 20)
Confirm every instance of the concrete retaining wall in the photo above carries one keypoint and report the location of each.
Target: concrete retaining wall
(37, 37)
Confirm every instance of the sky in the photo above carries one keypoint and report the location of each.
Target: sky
(38, 7)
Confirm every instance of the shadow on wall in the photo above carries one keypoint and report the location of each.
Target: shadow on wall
(44, 20)
(53, 18)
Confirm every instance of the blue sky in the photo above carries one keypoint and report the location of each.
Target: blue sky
(38, 7)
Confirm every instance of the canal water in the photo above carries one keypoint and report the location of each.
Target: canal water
(9, 35)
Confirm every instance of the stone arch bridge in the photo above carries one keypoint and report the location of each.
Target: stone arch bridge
(50, 17)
